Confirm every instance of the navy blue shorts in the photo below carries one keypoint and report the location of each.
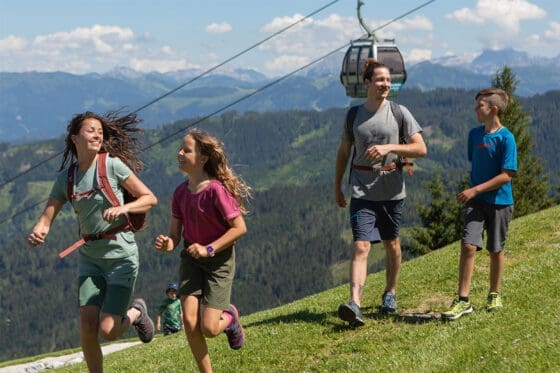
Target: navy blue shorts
(374, 221)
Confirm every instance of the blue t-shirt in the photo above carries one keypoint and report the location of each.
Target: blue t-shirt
(490, 154)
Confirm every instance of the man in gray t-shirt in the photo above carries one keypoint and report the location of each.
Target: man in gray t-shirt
(378, 189)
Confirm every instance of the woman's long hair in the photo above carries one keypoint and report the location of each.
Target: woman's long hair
(217, 167)
(119, 137)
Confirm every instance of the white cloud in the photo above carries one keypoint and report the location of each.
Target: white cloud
(507, 14)
(285, 64)
(83, 50)
(218, 27)
(12, 43)
(162, 66)
(553, 32)
(418, 55)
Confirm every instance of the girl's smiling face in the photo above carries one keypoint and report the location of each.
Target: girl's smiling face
(189, 157)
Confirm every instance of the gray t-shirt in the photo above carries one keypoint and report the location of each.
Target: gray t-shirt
(377, 128)
(89, 210)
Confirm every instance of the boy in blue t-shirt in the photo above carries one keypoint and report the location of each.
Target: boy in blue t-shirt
(489, 200)
(170, 311)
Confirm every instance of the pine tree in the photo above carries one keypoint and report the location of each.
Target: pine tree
(531, 187)
(442, 219)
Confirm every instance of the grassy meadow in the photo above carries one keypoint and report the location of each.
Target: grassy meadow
(307, 336)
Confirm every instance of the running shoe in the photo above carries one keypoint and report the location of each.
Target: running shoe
(143, 324)
(458, 309)
(388, 302)
(493, 302)
(235, 333)
(351, 313)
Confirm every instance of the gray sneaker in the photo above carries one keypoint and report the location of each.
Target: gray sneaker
(143, 324)
(388, 302)
(351, 313)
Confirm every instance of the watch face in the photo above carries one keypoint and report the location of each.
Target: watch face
(210, 250)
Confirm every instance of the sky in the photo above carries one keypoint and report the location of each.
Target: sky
(85, 36)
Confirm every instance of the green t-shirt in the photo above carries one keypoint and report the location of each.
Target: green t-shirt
(170, 311)
(89, 210)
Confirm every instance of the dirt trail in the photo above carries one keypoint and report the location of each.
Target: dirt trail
(59, 361)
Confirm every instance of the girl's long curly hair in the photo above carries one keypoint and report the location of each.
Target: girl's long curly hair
(119, 137)
(217, 167)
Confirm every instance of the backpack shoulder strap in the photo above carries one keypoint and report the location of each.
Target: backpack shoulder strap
(349, 124)
(103, 180)
(399, 117)
(71, 175)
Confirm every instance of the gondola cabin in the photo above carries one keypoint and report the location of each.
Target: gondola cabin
(351, 75)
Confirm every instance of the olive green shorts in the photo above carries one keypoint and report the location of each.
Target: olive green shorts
(210, 278)
(107, 283)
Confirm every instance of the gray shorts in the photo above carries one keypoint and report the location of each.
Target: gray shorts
(480, 216)
(107, 283)
(375, 220)
(210, 278)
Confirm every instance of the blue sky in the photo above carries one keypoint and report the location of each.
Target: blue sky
(79, 36)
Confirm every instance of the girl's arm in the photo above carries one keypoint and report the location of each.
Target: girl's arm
(168, 243)
(236, 229)
(41, 229)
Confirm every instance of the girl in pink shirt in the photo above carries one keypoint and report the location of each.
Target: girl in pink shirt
(207, 212)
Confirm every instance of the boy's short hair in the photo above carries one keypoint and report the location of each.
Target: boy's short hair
(494, 97)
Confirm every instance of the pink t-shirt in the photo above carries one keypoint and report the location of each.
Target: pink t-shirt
(204, 215)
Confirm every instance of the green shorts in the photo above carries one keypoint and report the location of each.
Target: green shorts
(210, 278)
(107, 283)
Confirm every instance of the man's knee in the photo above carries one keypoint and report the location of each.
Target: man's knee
(361, 249)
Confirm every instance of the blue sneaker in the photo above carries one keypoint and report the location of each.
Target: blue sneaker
(351, 313)
(388, 302)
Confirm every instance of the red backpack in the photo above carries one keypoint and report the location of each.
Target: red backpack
(134, 221)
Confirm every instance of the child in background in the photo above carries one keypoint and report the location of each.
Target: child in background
(207, 212)
(170, 311)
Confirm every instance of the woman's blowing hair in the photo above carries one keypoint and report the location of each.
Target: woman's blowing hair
(119, 137)
(217, 167)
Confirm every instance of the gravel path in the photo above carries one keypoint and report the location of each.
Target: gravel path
(59, 361)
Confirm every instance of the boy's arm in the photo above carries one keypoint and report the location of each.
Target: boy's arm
(494, 183)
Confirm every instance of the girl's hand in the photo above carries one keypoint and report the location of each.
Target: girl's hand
(163, 243)
(197, 251)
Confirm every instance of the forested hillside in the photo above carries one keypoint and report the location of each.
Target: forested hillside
(296, 233)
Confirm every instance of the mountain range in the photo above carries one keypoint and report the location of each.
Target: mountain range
(37, 105)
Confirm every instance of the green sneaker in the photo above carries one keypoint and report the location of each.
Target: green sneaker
(493, 302)
(458, 309)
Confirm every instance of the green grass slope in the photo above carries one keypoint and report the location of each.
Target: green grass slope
(306, 335)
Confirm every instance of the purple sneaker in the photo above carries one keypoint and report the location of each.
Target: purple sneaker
(235, 333)
(144, 325)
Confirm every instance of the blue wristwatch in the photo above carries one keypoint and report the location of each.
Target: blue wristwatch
(210, 250)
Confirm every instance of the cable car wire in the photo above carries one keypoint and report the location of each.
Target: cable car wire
(165, 138)
(187, 83)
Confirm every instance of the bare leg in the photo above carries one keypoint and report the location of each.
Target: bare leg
(89, 328)
(358, 270)
(466, 266)
(197, 342)
(113, 326)
(212, 323)
(392, 263)
(496, 270)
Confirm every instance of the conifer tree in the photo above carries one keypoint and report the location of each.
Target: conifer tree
(442, 219)
(531, 187)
